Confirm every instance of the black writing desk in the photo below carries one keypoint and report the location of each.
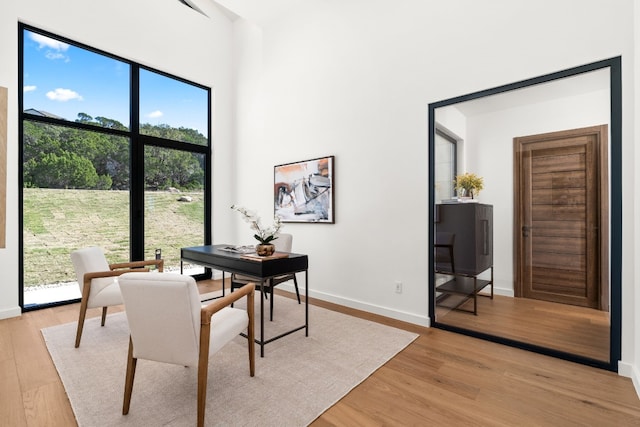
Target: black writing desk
(213, 256)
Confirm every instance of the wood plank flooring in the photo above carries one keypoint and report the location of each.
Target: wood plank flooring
(578, 330)
(441, 379)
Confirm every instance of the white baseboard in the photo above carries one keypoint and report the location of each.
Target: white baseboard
(10, 312)
(370, 308)
(359, 305)
(507, 292)
(630, 371)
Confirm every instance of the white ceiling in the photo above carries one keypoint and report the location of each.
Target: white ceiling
(257, 11)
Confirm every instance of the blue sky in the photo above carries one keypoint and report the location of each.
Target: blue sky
(66, 80)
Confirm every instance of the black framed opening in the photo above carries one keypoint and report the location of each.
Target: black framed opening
(178, 149)
(615, 210)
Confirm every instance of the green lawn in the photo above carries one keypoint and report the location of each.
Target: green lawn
(56, 222)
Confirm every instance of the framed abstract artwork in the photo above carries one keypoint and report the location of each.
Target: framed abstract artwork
(303, 191)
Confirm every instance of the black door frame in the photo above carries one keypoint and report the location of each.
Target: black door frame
(615, 214)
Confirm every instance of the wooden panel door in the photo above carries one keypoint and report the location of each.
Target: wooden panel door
(559, 217)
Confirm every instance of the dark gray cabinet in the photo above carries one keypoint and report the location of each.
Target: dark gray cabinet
(465, 232)
(463, 249)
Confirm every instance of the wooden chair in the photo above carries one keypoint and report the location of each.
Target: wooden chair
(168, 324)
(283, 244)
(98, 282)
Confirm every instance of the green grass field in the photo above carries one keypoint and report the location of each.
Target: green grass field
(56, 222)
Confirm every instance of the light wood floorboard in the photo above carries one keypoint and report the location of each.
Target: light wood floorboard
(572, 329)
(441, 379)
(448, 379)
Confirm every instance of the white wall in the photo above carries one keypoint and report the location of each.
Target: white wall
(353, 78)
(631, 365)
(163, 34)
(489, 153)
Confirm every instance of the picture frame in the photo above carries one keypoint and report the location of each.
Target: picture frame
(304, 191)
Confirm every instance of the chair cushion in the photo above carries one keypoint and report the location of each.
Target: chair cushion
(241, 279)
(163, 311)
(226, 324)
(244, 279)
(104, 291)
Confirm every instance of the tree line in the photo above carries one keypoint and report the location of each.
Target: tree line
(63, 157)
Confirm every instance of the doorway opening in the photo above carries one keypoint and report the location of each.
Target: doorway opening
(487, 122)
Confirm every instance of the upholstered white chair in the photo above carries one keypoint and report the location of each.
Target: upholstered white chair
(168, 324)
(98, 282)
(283, 244)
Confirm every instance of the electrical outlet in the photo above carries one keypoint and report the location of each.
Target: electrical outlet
(398, 287)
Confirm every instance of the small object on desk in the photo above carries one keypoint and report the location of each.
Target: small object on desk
(239, 249)
(255, 257)
(265, 249)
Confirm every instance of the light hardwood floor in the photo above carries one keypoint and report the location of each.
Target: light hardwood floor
(441, 379)
(572, 329)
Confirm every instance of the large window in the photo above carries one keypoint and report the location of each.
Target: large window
(446, 166)
(113, 155)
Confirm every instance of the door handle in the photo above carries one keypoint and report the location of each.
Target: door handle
(525, 230)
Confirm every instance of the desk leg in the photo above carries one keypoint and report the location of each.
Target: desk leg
(306, 303)
(261, 320)
(475, 295)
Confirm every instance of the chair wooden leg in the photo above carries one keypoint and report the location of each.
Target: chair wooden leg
(128, 383)
(104, 315)
(203, 370)
(84, 302)
(81, 317)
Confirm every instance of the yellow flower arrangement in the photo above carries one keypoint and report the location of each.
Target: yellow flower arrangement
(470, 183)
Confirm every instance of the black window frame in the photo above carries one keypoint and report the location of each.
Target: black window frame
(454, 149)
(138, 142)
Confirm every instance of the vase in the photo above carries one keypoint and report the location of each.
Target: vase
(265, 249)
(466, 193)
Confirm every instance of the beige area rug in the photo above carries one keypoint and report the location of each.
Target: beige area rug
(297, 380)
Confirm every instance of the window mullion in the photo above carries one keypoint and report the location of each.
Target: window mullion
(137, 168)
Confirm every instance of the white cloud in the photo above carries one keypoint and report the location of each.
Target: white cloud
(54, 55)
(50, 43)
(61, 94)
(29, 88)
(154, 115)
